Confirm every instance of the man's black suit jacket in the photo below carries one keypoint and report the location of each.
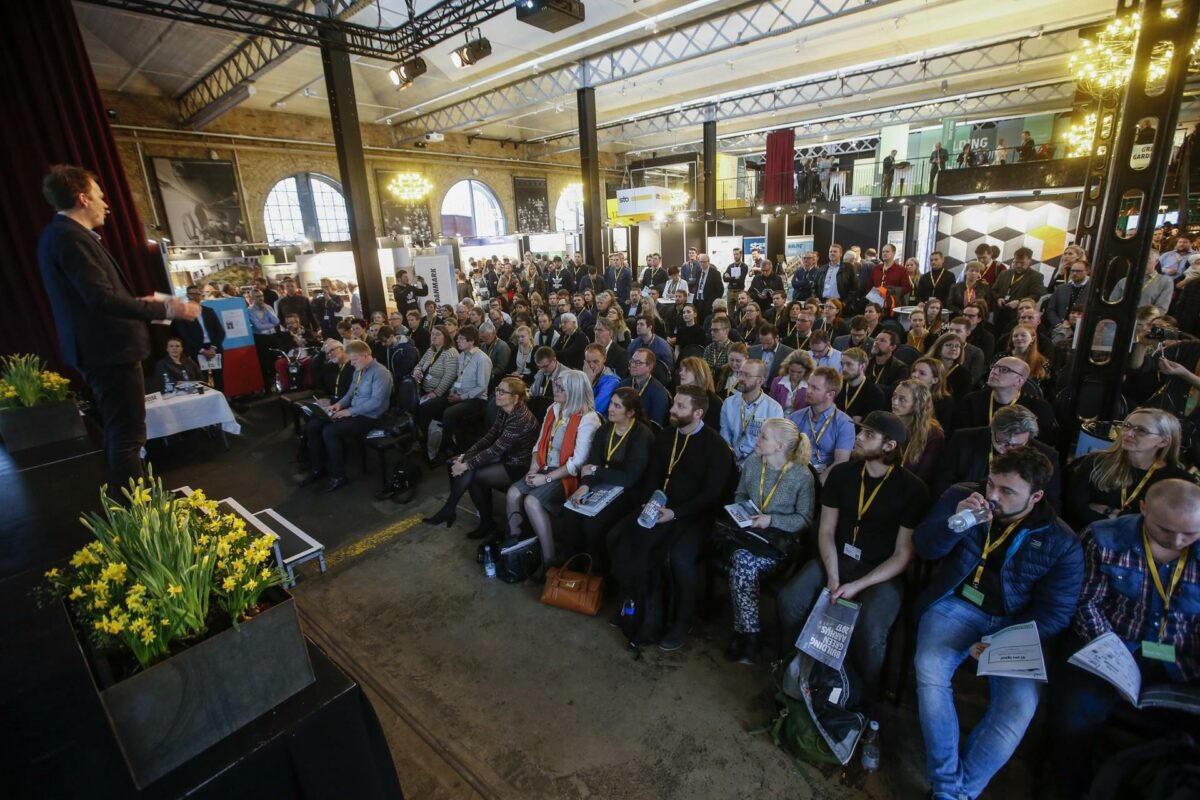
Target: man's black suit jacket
(98, 319)
(965, 460)
(193, 336)
(847, 284)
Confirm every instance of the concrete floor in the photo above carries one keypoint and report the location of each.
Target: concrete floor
(484, 692)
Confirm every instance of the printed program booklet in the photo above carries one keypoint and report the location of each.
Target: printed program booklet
(826, 635)
(1014, 652)
(595, 500)
(1107, 657)
(742, 513)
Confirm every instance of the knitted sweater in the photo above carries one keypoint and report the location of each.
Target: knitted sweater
(791, 506)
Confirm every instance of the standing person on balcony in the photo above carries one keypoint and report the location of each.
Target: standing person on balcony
(1028, 149)
(937, 163)
(889, 173)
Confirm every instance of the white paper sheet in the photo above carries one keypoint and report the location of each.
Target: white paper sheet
(1015, 652)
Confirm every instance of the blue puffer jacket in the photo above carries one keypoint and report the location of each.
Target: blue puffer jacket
(1043, 565)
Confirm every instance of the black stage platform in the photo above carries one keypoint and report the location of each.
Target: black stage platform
(324, 742)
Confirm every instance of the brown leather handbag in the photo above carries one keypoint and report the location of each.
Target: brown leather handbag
(582, 592)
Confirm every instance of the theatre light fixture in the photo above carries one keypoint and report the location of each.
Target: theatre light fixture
(409, 187)
(472, 52)
(403, 75)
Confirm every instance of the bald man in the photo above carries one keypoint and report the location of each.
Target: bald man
(1005, 387)
(1121, 597)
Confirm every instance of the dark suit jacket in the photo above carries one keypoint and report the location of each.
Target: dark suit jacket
(965, 460)
(847, 284)
(193, 336)
(1058, 307)
(943, 290)
(99, 321)
(957, 298)
(617, 360)
(714, 288)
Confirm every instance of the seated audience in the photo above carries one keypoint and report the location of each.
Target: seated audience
(655, 399)
(829, 430)
(561, 450)
(725, 380)
(616, 358)
(789, 389)
(869, 507)
(571, 342)
(603, 381)
(175, 365)
(1139, 583)
(619, 456)
(859, 396)
(912, 402)
(690, 465)
(744, 414)
(930, 372)
(521, 363)
(1005, 382)
(349, 418)
(1022, 564)
(1109, 483)
(776, 479)
(693, 371)
(948, 349)
(884, 368)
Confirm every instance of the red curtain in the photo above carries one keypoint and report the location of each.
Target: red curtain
(779, 169)
(53, 113)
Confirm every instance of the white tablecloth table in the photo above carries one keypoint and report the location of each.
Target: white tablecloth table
(186, 412)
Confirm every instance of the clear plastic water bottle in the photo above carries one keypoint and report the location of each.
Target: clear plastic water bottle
(489, 564)
(628, 609)
(970, 517)
(870, 747)
(649, 516)
(168, 385)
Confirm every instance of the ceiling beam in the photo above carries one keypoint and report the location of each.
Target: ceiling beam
(738, 27)
(1012, 54)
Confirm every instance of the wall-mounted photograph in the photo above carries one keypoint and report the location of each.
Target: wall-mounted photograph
(200, 200)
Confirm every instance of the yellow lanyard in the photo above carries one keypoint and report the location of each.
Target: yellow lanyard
(674, 458)
(850, 400)
(357, 382)
(642, 390)
(863, 507)
(338, 379)
(753, 414)
(989, 548)
(1176, 576)
(992, 401)
(1126, 499)
(916, 342)
(614, 448)
(764, 501)
(1012, 287)
(876, 374)
(817, 436)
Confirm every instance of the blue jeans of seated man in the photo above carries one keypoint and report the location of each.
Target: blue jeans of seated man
(946, 632)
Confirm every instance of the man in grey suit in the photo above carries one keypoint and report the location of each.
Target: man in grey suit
(1069, 294)
(770, 350)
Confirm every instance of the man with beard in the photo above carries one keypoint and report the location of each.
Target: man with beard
(827, 427)
(690, 465)
(885, 370)
(859, 396)
(869, 508)
(742, 418)
(735, 276)
(1019, 564)
(937, 282)
(1015, 284)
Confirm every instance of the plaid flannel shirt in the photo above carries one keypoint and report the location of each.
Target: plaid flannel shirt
(1119, 594)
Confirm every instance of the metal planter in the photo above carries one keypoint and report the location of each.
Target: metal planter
(165, 715)
(23, 428)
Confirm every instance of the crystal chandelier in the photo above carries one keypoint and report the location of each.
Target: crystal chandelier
(409, 187)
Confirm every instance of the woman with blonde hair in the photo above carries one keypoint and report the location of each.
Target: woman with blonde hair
(694, 371)
(523, 366)
(1109, 483)
(912, 402)
(930, 372)
(776, 478)
(561, 450)
(621, 334)
(790, 387)
(649, 308)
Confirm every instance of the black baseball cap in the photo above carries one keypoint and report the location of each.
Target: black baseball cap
(887, 425)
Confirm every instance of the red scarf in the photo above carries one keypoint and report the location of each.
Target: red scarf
(570, 484)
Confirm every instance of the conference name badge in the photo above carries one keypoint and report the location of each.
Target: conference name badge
(1159, 651)
(974, 595)
(852, 552)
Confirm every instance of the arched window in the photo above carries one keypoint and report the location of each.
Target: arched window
(471, 209)
(568, 212)
(306, 206)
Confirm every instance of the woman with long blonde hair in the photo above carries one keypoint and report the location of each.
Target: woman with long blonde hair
(777, 480)
(930, 372)
(1025, 347)
(912, 402)
(1109, 483)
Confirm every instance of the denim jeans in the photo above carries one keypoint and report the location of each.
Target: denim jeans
(946, 632)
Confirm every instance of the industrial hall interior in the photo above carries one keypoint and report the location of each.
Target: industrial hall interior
(581, 400)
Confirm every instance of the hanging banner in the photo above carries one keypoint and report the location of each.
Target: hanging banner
(754, 242)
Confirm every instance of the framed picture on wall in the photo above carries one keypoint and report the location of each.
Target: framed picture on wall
(402, 217)
(200, 201)
(533, 204)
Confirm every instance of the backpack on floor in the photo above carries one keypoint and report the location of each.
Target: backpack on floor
(815, 722)
(406, 477)
(1163, 769)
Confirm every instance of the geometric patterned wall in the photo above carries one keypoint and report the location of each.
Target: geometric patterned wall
(1046, 228)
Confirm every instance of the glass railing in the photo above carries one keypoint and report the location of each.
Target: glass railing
(856, 175)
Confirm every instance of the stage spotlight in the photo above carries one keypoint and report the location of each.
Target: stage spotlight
(471, 53)
(403, 75)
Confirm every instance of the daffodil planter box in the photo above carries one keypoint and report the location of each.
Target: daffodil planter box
(23, 428)
(164, 715)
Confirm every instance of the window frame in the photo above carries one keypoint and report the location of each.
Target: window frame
(310, 219)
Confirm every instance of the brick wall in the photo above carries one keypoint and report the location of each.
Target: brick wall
(267, 146)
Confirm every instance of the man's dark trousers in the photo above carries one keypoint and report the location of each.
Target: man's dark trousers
(327, 442)
(120, 394)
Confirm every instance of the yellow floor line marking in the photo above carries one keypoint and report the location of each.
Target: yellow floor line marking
(368, 543)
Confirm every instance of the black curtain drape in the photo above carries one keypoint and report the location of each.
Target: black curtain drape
(53, 113)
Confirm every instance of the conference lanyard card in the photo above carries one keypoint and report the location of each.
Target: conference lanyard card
(852, 552)
(1159, 651)
(972, 594)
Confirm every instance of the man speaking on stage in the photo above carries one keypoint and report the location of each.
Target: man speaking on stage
(101, 326)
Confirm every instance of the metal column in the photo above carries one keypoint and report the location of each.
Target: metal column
(593, 189)
(343, 112)
(710, 169)
(1098, 364)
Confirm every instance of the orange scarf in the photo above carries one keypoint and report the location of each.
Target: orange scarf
(570, 484)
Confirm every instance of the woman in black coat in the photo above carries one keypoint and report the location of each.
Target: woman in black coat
(175, 365)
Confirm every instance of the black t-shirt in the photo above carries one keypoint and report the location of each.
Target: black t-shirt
(901, 503)
(858, 401)
(1081, 491)
(991, 586)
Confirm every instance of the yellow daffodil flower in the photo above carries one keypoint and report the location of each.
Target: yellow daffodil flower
(174, 590)
(76, 593)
